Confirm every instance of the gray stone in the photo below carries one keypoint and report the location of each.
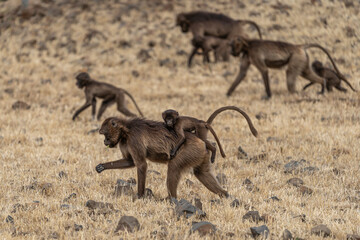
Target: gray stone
(235, 203)
(128, 223)
(143, 55)
(20, 105)
(294, 166)
(123, 187)
(303, 190)
(78, 227)
(62, 174)
(9, 219)
(203, 228)
(287, 235)
(321, 230)
(241, 153)
(260, 231)
(297, 182)
(185, 208)
(198, 203)
(249, 185)
(252, 216)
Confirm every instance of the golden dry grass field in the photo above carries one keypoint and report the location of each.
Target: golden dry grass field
(41, 56)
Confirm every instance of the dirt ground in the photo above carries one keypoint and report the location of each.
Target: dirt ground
(43, 49)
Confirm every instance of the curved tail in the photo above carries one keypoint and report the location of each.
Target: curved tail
(251, 126)
(131, 97)
(216, 139)
(253, 24)
(347, 82)
(340, 75)
(314, 45)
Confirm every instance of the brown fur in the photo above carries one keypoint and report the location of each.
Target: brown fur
(202, 24)
(183, 123)
(207, 44)
(139, 139)
(333, 79)
(108, 92)
(274, 54)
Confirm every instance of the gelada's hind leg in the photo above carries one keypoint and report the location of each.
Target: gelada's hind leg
(203, 173)
(296, 65)
(308, 74)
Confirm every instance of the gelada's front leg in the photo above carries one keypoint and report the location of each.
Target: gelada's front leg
(119, 164)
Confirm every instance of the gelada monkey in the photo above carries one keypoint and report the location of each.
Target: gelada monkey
(182, 123)
(141, 139)
(207, 44)
(201, 23)
(333, 79)
(108, 92)
(266, 54)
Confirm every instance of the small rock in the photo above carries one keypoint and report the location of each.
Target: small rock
(122, 188)
(148, 193)
(235, 203)
(54, 235)
(249, 185)
(63, 174)
(78, 227)
(132, 181)
(297, 182)
(64, 206)
(73, 195)
(261, 115)
(321, 230)
(222, 179)
(181, 53)
(100, 207)
(305, 190)
(143, 55)
(167, 63)
(185, 208)
(252, 216)
(287, 235)
(151, 44)
(348, 3)
(257, 158)
(198, 203)
(189, 182)
(260, 231)
(46, 189)
(9, 219)
(241, 153)
(309, 170)
(9, 91)
(352, 237)
(124, 44)
(128, 223)
(273, 198)
(204, 228)
(135, 73)
(230, 234)
(350, 32)
(302, 217)
(215, 201)
(294, 166)
(20, 105)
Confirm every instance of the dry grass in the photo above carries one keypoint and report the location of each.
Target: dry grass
(304, 125)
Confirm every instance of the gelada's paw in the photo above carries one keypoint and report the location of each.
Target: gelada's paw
(99, 168)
